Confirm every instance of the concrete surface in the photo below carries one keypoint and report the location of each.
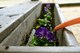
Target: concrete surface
(11, 17)
(20, 16)
(71, 12)
(27, 49)
(6, 3)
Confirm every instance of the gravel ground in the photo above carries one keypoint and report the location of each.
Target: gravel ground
(71, 13)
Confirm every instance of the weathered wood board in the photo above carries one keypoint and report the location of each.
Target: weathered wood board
(23, 27)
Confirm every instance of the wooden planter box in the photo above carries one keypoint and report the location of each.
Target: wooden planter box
(23, 31)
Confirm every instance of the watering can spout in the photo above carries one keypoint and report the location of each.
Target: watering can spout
(67, 23)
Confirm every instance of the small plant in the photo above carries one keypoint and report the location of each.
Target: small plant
(44, 35)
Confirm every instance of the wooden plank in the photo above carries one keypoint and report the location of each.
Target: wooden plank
(27, 49)
(31, 36)
(67, 35)
(18, 36)
(15, 18)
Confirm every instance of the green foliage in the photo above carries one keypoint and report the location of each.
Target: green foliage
(44, 21)
(41, 42)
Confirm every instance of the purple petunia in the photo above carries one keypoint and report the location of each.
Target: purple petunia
(48, 5)
(50, 37)
(43, 32)
(45, 9)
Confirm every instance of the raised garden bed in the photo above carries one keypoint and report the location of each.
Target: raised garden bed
(43, 33)
(65, 41)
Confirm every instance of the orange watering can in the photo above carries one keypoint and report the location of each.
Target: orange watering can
(67, 23)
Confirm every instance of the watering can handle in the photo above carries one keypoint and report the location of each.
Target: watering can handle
(67, 23)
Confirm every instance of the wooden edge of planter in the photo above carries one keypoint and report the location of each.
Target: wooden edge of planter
(69, 3)
(27, 49)
(69, 37)
(18, 19)
(31, 36)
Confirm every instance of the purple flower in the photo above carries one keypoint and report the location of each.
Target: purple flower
(48, 5)
(45, 9)
(50, 37)
(43, 32)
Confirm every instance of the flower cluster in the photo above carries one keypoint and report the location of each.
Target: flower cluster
(43, 32)
(43, 35)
